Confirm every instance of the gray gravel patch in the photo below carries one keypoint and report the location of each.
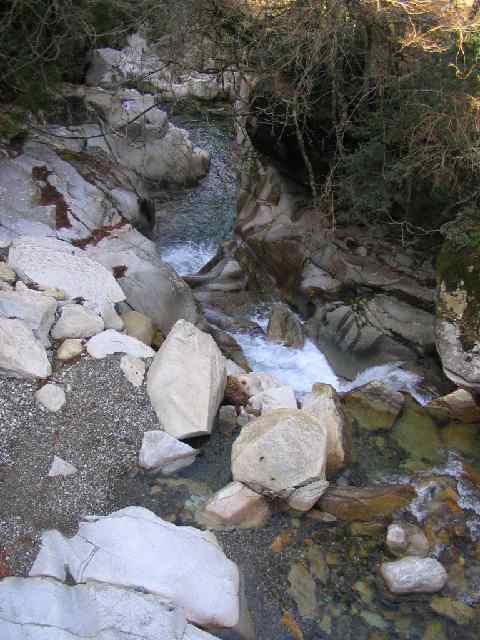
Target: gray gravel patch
(99, 431)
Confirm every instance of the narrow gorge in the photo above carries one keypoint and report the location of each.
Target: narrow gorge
(224, 414)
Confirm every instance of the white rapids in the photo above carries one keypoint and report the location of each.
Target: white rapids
(298, 368)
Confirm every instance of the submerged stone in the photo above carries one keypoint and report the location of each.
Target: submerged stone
(414, 575)
(303, 590)
(418, 435)
(375, 406)
(366, 503)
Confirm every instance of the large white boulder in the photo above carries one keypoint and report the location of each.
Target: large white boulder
(21, 354)
(151, 286)
(186, 381)
(414, 575)
(56, 264)
(324, 403)
(77, 322)
(111, 341)
(161, 452)
(44, 609)
(274, 398)
(43, 195)
(34, 308)
(137, 549)
(283, 454)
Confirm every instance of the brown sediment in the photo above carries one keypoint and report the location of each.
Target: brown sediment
(49, 195)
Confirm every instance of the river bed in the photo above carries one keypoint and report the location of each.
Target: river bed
(307, 579)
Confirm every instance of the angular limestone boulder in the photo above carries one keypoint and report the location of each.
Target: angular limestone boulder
(21, 354)
(275, 398)
(414, 575)
(77, 322)
(51, 397)
(162, 453)
(70, 348)
(284, 326)
(235, 506)
(282, 453)
(41, 608)
(111, 341)
(62, 468)
(52, 263)
(186, 381)
(35, 309)
(324, 403)
(255, 383)
(134, 548)
(133, 369)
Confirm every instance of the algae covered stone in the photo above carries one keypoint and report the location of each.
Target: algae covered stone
(418, 435)
(375, 406)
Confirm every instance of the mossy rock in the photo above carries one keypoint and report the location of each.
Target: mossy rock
(374, 407)
(417, 435)
(464, 438)
(366, 504)
(12, 124)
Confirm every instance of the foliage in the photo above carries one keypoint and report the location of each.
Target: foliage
(374, 104)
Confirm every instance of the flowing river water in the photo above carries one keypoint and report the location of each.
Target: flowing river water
(306, 579)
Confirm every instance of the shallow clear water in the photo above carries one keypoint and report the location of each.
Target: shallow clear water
(191, 223)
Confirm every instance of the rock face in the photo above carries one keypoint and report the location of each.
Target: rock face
(110, 341)
(161, 452)
(366, 503)
(51, 397)
(458, 326)
(110, 68)
(283, 454)
(77, 322)
(38, 608)
(151, 286)
(235, 506)
(35, 309)
(134, 548)
(325, 405)
(186, 381)
(374, 406)
(368, 301)
(284, 326)
(52, 263)
(140, 138)
(42, 195)
(21, 354)
(414, 575)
